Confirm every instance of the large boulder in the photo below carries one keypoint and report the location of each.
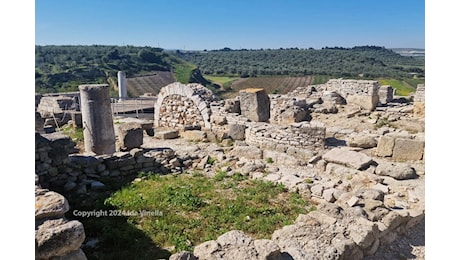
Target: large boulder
(58, 237)
(49, 204)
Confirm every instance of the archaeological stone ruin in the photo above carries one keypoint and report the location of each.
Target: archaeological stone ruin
(350, 147)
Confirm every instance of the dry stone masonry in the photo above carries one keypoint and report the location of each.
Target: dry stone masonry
(286, 110)
(178, 105)
(60, 167)
(301, 140)
(364, 93)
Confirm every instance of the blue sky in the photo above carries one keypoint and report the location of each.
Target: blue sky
(206, 24)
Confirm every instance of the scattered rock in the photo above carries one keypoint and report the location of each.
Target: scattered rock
(398, 171)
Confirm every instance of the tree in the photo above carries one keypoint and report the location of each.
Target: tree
(149, 56)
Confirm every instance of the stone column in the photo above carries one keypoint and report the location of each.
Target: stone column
(122, 86)
(98, 131)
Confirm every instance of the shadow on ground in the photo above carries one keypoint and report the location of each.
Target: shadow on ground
(410, 246)
(109, 236)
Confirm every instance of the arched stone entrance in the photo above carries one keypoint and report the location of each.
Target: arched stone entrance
(180, 104)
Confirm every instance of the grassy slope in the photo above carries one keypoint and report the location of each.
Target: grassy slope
(183, 72)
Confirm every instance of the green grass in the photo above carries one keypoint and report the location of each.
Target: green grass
(76, 134)
(223, 81)
(402, 87)
(183, 72)
(320, 79)
(196, 208)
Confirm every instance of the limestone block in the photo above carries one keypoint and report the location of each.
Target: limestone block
(194, 135)
(365, 102)
(236, 131)
(255, 104)
(362, 141)
(385, 146)
(167, 134)
(407, 149)
(348, 158)
(130, 135)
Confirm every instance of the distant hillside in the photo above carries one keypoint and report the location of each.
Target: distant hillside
(63, 68)
(362, 62)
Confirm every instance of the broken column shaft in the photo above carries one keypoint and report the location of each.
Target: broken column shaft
(98, 132)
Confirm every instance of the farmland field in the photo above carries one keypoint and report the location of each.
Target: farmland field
(149, 84)
(272, 85)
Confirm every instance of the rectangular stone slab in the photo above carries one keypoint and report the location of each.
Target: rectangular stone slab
(348, 158)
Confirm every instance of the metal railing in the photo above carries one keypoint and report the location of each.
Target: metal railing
(137, 105)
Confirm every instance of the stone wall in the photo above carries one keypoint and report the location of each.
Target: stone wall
(178, 111)
(200, 97)
(60, 168)
(285, 110)
(359, 92)
(300, 140)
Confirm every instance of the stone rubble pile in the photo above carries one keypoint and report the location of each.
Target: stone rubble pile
(55, 236)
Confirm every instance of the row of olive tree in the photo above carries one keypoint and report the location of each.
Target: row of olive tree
(367, 61)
